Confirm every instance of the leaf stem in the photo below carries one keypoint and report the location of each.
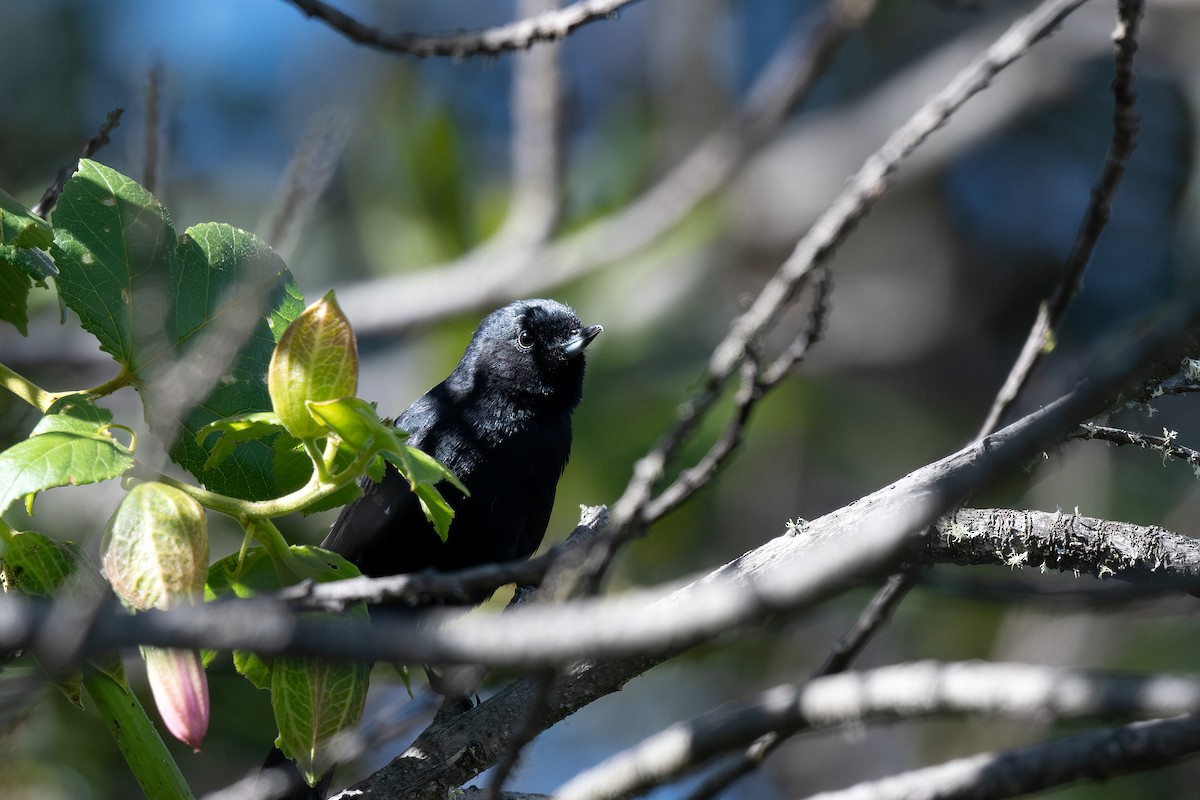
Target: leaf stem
(120, 380)
(316, 489)
(318, 459)
(26, 389)
(144, 751)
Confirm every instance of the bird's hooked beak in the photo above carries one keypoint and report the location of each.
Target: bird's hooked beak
(580, 340)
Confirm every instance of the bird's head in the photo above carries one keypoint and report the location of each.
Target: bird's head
(531, 349)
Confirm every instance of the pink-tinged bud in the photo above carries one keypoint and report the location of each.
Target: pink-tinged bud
(180, 691)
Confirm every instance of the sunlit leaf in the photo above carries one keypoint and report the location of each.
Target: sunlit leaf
(215, 299)
(21, 227)
(59, 458)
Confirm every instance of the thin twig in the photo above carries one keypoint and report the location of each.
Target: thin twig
(420, 588)
(1164, 444)
(111, 122)
(843, 652)
(877, 612)
(754, 386)
(1124, 138)
(865, 188)
(826, 234)
(518, 35)
(483, 278)
(309, 171)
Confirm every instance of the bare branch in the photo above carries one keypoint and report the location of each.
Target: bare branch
(869, 184)
(1142, 555)
(309, 172)
(483, 278)
(525, 733)
(1164, 444)
(845, 650)
(826, 234)
(536, 148)
(659, 621)
(877, 612)
(456, 587)
(1013, 773)
(111, 123)
(755, 385)
(904, 691)
(1124, 137)
(519, 35)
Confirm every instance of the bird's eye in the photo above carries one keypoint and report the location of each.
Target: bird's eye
(525, 340)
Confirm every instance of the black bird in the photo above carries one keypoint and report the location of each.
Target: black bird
(502, 423)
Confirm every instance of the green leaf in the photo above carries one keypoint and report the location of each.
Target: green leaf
(316, 360)
(245, 284)
(424, 472)
(235, 430)
(356, 423)
(21, 227)
(421, 468)
(14, 296)
(291, 464)
(74, 413)
(38, 566)
(59, 458)
(35, 263)
(256, 573)
(251, 667)
(193, 319)
(113, 244)
(314, 701)
(155, 548)
(437, 509)
(20, 269)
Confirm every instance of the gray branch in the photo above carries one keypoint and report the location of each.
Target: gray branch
(905, 691)
(1143, 555)
(518, 35)
(992, 776)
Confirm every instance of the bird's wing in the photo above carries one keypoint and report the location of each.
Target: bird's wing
(363, 522)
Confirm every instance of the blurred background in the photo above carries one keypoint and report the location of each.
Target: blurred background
(409, 169)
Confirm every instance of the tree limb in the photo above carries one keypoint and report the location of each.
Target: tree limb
(993, 776)
(904, 691)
